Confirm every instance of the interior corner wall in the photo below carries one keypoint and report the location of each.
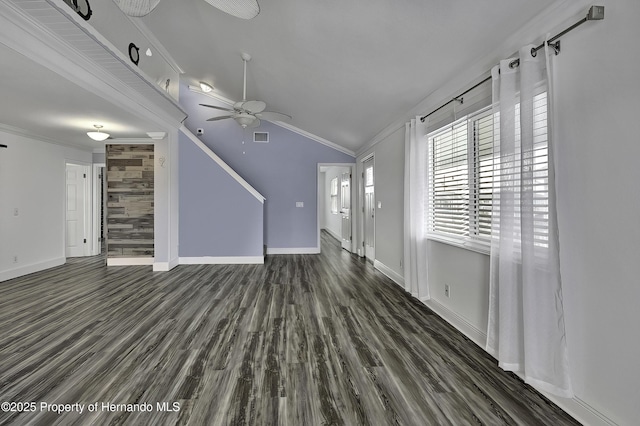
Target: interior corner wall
(284, 171)
(389, 199)
(32, 180)
(597, 93)
(218, 216)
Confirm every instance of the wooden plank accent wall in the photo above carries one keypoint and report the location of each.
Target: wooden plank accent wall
(130, 187)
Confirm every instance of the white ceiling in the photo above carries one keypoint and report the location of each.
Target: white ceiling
(45, 104)
(343, 69)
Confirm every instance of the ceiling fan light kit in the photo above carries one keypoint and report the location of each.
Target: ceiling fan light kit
(243, 9)
(206, 87)
(98, 135)
(248, 113)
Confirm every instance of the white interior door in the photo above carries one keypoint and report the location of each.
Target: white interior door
(76, 211)
(345, 209)
(369, 211)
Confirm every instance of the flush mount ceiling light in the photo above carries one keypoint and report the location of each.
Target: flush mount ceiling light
(206, 88)
(98, 136)
(137, 7)
(243, 9)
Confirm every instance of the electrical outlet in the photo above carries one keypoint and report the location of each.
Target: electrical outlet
(447, 290)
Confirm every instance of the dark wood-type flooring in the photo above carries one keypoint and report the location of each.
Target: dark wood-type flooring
(301, 340)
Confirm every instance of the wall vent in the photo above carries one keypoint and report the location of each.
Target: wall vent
(261, 137)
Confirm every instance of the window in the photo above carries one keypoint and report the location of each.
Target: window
(462, 166)
(334, 195)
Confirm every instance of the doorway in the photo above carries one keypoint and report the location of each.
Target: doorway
(77, 210)
(369, 209)
(335, 193)
(345, 209)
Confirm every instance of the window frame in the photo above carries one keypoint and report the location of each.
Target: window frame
(475, 242)
(333, 197)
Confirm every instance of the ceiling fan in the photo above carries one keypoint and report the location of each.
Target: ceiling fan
(248, 113)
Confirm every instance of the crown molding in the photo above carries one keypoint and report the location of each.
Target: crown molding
(17, 131)
(547, 20)
(284, 125)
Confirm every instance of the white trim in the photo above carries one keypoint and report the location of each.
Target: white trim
(576, 407)
(155, 43)
(222, 260)
(478, 336)
(129, 261)
(315, 138)
(293, 250)
(30, 269)
(390, 273)
(96, 207)
(333, 234)
(30, 135)
(287, 126)
(352, 169)
(165, 266)
(222, 164)
(580, 410)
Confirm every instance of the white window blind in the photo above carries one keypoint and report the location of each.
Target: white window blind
(463, 164)
(526, 171)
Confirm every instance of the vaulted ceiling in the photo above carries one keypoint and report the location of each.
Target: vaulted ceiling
(343, 69)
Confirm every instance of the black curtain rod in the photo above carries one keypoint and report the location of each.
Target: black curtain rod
(595, 13)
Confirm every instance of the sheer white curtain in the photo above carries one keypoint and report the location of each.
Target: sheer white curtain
(415, 209)
(526, 331)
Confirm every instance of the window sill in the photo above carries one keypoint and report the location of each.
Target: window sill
(472, 245)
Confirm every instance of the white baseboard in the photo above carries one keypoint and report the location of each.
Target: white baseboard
(222, 260)
(393, 275)
(293, 250)
(30, 269)
(129, 261)
(166, 266)
(479, 337)
(333, 234)
(580, 410)
(575, 407)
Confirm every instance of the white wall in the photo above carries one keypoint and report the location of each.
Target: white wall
(597, 95)
(389, 182)
(598, 91)
(32, 179)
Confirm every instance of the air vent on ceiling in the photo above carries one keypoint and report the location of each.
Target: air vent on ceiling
(261, 137)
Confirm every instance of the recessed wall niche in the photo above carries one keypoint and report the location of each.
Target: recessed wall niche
(130, 209)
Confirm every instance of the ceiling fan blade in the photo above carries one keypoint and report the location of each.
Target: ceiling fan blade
(216, 107)
(137, 8)
(222, 117)
(254, 106)
(273, 116)
(244, 9)
(254, 124)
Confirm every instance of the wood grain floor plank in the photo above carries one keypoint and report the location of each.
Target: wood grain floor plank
(301, 340)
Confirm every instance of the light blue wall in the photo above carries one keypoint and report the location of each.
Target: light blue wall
(218, 217)
(283, 170)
